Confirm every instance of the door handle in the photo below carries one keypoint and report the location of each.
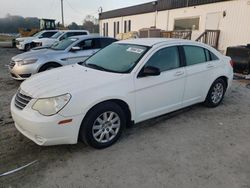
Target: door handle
(179, 73)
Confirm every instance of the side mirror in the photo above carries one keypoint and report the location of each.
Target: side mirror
(75, 48)
(149, 71)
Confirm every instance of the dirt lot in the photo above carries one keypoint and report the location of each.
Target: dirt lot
(196, 147)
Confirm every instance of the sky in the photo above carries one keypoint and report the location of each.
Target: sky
(74, 10)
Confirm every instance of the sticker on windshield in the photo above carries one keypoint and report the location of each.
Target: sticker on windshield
(135, 50)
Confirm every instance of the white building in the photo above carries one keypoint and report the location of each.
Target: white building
(231, 17)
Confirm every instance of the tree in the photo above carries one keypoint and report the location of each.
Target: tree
(73, 26)
(91, 24)
(11, 24)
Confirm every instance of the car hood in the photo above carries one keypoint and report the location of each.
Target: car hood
(36, 54)
(43, 39)
(25, 38)
(68, 79)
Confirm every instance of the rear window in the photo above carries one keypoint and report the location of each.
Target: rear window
(106, 41)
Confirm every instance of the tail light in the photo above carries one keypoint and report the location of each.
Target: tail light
(232, 63)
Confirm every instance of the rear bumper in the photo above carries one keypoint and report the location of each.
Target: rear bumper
(45, 130)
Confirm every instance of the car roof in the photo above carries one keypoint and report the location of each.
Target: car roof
(50, 31)
(65, 31)
(155, 41)
(80, 37)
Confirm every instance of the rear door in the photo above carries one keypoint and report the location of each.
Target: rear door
(199, 70)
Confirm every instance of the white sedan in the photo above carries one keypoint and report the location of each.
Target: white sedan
(126, 82)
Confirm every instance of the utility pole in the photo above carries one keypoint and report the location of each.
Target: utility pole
(62, 13)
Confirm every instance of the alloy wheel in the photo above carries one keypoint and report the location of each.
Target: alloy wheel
(106, 127)
(217, 93)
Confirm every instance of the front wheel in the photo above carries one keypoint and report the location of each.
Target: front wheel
(103, 125)
(49, 66)
(216, 93)
(27, 47)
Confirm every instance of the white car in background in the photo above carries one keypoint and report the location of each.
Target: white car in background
(25, 43)
(128, 81)
(61, 35)
(68, 51)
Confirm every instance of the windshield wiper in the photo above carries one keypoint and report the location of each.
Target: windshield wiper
(95, 66)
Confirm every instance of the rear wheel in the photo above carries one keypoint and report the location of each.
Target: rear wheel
(216, 93)
(103, 125)
(49, 66)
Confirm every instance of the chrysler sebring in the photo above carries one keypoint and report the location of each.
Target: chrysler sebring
(125, 83)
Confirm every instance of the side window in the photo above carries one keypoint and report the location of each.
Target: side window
(106, 41)
(71, 34)
(213, 57)
(210, 55)
(194, 55)
(81, 33)
(86, 44)
(64, 36)
(165, 59)
(48, 34)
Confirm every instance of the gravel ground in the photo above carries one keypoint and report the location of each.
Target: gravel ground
(193, 148)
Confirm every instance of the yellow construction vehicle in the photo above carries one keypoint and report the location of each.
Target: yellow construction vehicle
(45, 24)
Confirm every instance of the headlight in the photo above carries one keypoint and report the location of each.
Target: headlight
(51, 106)
(26, 62)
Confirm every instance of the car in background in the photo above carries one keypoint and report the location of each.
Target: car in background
(127, 82)
(25, 43)
(241, 59)
(68, 51)
(61, 35)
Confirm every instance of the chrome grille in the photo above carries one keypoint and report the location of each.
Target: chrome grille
(21, 100)
(12, 64)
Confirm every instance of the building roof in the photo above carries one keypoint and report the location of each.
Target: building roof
(158, 5)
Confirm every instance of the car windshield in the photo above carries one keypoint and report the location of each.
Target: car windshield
(55, 36)
(64, 44)
(119, 58)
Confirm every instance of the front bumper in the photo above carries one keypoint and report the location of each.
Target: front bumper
(20, 46)
(45, 130)
(22, 72)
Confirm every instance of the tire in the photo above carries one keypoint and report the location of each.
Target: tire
(216, 93)
(27, 47)
(99, 132)
(49, 66)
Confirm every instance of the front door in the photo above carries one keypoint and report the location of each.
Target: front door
(157, 95)
(87, 48)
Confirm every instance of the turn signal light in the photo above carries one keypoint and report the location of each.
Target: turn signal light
(65, 121)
